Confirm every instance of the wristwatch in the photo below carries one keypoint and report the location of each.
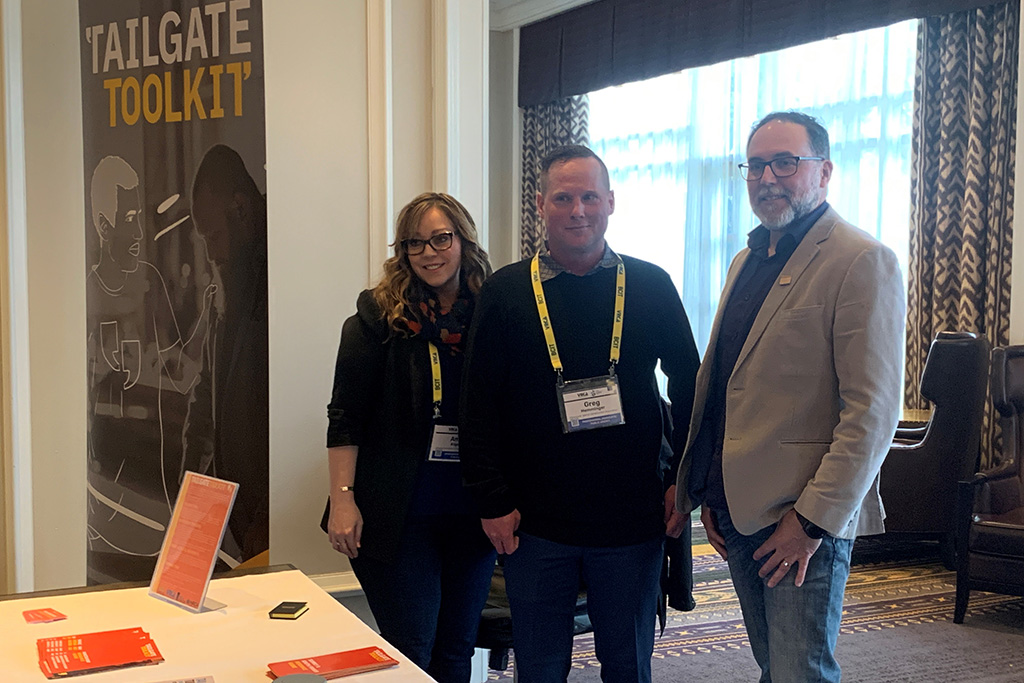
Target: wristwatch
(812, 530)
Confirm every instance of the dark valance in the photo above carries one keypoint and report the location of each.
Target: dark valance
(611, 42)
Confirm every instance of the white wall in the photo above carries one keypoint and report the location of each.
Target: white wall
(462, 68)
(505, 143)
(412, 103)
(51, 272)
(317, 218)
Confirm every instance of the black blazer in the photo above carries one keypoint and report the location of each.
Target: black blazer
(382, 403)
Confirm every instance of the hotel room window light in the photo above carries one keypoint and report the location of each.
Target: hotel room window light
(672, 144)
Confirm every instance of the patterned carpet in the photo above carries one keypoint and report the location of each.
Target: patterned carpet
(896, 597)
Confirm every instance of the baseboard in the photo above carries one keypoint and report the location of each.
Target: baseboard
(479, 672)
(338, 583)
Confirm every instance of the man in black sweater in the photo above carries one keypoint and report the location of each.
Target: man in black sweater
(562, 428)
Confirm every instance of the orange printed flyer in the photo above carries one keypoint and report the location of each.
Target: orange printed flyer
(92, 652)
(189, 551)
(42, 616)
(336, 664)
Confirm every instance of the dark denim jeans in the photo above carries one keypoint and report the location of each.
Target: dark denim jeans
(543, 580)
(428, 602)
(792, 630)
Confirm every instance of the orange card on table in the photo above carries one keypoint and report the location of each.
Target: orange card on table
(189, 551)
(42, 616)
(336, 664)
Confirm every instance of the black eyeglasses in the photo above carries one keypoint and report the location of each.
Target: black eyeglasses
(782, 167)
(442, 241)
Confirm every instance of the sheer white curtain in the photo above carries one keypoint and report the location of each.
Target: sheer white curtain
(672, 144)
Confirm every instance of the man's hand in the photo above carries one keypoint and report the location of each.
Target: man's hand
(789, 546)
(502, 532)
(345, 527)
(716, 539)
(675, 521)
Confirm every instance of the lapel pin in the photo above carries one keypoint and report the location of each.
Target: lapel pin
(785, 280)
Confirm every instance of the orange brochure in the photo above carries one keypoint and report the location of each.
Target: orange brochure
(189, 551)
(92, 652)
(337, 664)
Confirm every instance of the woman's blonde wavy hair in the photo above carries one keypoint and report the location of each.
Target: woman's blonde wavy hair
(399, 288)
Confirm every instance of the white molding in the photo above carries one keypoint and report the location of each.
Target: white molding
(460, 47)
(6, 463)
(1017, 258)
(380, 133)
(19, 461)
(479, 671)
(517, 153)
(445, 82)
(510, 15)
(483, 48)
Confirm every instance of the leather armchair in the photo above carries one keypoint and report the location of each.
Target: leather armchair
(919, 477)
(990, 507)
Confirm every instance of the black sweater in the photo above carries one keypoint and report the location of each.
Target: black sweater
(602, 487)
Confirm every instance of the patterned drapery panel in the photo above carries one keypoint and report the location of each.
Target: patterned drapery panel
(546, 126)
(962, 185)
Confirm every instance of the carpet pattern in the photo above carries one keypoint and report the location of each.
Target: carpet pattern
(899, 599)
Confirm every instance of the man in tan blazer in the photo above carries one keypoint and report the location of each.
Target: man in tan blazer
(796, 404)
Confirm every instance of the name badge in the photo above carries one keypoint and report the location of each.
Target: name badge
(444, 444)
(590, 403)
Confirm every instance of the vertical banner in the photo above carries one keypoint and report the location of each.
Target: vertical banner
(176, 271)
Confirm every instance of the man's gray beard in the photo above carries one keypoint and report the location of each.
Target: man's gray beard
(789, 214)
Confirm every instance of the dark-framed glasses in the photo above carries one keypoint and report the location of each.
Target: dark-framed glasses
(782, 167)
(442, 241)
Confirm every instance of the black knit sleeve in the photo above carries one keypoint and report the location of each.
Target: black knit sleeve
(679, 361)
(483, 379)
(358, 374)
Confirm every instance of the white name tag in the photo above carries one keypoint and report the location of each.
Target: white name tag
(590, 403)
(444, 444)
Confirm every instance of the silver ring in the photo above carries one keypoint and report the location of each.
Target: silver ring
(785, 563)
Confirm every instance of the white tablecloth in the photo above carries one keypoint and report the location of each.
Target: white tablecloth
(234, 644)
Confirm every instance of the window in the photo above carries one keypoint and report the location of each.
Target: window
(672, 144)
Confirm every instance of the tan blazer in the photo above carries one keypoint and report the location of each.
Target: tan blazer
(813, 402)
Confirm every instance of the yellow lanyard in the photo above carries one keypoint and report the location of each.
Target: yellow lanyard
(545, 317)
(435, 371)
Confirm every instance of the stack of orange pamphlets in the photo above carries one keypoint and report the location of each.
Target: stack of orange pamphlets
(91, 652)
(337, 664)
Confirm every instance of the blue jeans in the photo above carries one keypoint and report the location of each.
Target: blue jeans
(622, 583)
(792, 630)
(427, 602)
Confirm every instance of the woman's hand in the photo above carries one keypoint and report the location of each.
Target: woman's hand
(345, 527)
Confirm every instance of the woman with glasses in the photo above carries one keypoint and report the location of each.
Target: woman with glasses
(397, 507)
